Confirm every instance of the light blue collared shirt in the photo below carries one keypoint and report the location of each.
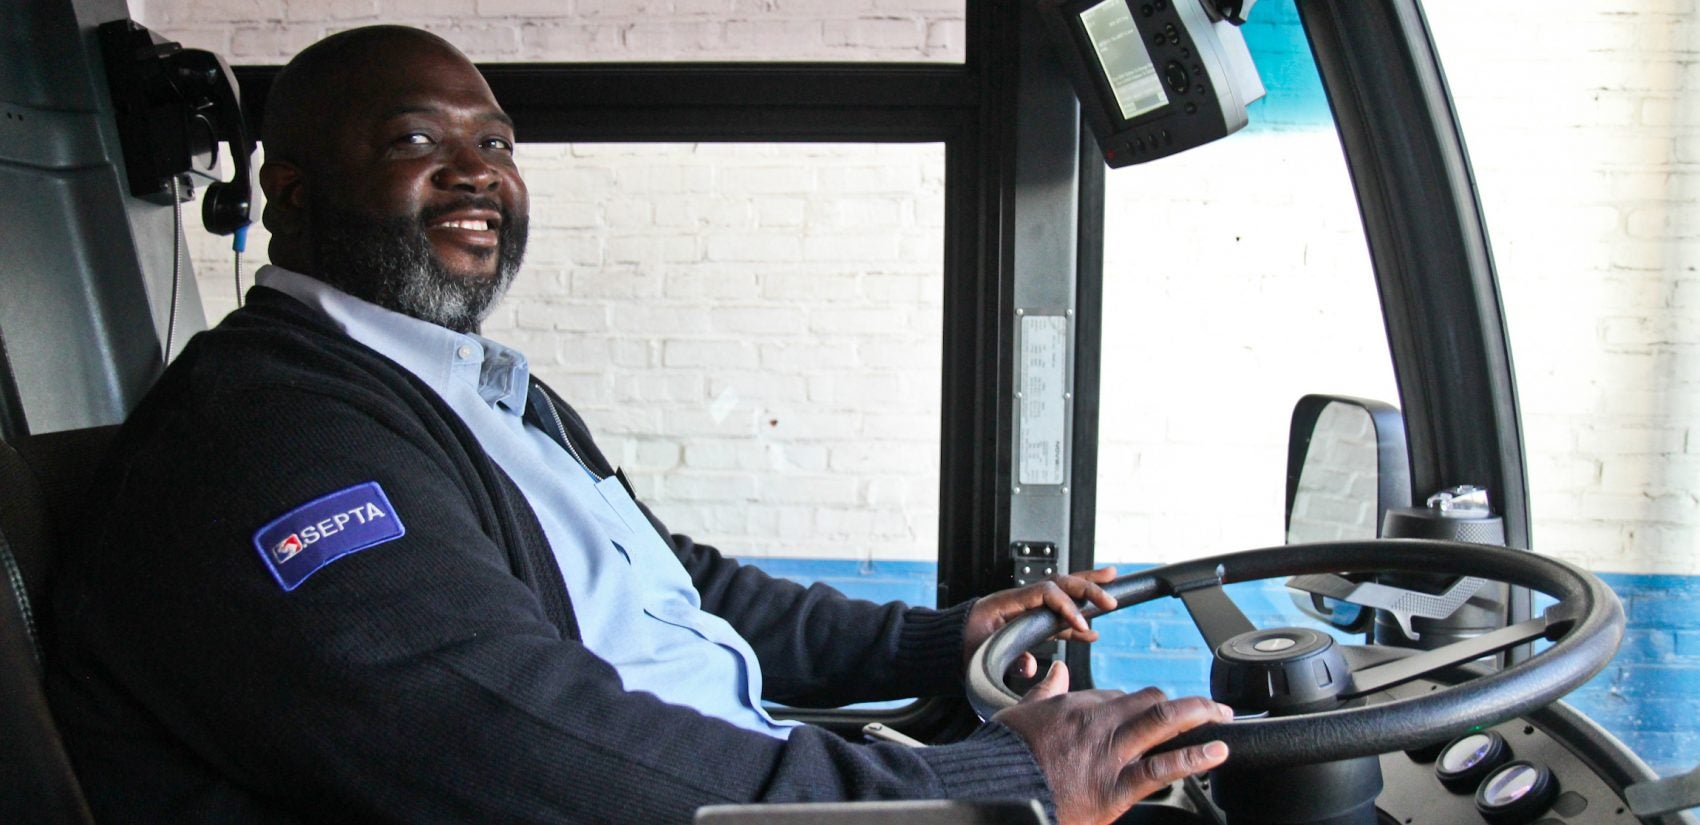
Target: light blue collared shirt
(633, 600)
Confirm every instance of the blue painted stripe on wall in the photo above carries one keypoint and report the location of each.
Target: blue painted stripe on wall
(1293, 96)
(1646, 697)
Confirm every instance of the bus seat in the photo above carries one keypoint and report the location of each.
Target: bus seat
(41, 478)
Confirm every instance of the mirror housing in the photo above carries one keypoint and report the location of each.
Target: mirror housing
(1335, 444)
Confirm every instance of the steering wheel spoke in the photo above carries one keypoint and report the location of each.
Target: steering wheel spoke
(1384, 676)
(1215, 615)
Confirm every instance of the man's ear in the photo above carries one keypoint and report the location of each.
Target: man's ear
(286, 197)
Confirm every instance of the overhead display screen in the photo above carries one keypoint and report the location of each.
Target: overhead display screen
(1122, 55)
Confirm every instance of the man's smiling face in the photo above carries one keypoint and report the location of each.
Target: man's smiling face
(418, 206)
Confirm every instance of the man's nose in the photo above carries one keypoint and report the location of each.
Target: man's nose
(466, 168)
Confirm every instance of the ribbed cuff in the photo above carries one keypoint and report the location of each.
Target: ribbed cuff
(993, 763)
(929, 649)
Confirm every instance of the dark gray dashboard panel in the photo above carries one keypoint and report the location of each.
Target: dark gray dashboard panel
(1413, 795)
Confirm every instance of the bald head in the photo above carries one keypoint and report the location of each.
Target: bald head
(308, 98)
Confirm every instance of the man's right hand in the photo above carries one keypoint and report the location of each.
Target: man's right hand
(1092, 745)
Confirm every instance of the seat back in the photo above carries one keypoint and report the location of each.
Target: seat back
(41, 480)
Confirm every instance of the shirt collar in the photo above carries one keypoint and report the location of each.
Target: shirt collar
(437, 355)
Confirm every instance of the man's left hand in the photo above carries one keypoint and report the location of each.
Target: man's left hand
(1060, 593)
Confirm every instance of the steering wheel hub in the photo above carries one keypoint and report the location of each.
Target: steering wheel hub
(1279, 671)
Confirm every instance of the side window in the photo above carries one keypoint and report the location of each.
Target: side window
(1236, 280)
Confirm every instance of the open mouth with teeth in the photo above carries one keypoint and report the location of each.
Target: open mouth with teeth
(476, 233)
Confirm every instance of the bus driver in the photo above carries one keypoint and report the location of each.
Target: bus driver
(348, 561)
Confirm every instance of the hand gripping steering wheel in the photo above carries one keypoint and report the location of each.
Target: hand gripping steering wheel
(1306, 725)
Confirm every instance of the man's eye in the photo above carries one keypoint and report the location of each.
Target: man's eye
(415, 139)
(500, 144)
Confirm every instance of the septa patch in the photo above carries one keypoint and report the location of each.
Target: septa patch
(300, 542)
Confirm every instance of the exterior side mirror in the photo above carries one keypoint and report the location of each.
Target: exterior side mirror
(1346, 467)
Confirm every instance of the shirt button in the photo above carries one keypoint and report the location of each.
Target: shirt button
(464, 352)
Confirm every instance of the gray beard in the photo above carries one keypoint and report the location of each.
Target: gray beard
(389, 262)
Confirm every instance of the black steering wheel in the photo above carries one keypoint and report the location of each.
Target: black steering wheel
(1585, 627)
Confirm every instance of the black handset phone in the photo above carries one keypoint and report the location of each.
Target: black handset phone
(174, 107)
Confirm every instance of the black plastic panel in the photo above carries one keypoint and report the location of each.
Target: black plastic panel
(1413, 793)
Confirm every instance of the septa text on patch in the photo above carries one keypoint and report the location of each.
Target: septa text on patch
(300, 542)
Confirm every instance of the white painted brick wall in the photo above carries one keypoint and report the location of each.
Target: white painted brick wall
(1607, 349)
(271, 31)
(719, 270)
(1582, 124)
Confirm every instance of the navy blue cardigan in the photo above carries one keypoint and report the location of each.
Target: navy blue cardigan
(438, 676)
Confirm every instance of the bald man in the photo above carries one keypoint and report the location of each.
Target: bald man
(348, 561)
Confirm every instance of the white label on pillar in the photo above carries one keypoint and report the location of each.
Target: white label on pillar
(1043, 404)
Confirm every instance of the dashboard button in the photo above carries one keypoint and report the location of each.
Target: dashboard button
(1569, 803)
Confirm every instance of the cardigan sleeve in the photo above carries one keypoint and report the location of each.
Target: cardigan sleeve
(820, 648)
(415, 679)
